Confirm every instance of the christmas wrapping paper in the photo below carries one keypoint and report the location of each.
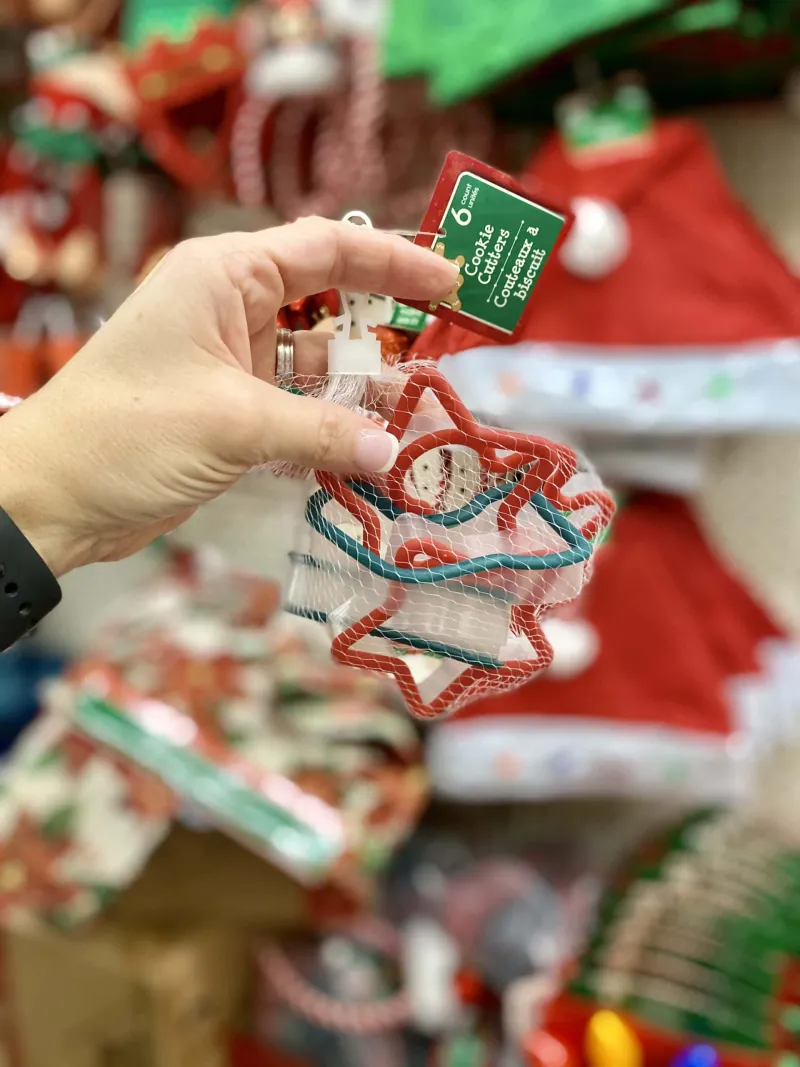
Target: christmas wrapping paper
(202, 704)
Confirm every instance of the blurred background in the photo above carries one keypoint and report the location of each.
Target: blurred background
(599, 868)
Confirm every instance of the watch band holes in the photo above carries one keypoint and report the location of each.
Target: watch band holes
(25, 609)
(12, 589)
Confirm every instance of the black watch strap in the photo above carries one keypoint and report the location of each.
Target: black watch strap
(28, 588)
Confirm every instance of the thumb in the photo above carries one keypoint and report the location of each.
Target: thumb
(318, 434)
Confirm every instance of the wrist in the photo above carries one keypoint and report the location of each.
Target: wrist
(47, 539)
(33, 503)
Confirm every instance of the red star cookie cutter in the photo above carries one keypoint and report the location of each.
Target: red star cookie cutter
(544, 467)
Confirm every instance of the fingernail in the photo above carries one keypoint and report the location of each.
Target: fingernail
(376, 451)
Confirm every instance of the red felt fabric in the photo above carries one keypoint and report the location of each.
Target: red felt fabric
(700, 271)
(673, 624)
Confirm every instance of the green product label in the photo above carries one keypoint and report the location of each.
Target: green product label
(295, 845)
(504, 241)
(411, 319)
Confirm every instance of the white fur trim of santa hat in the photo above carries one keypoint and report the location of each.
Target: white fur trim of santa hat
(720, 389)
(99, 79)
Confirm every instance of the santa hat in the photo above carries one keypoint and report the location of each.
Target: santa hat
(667, 307)
(654, 713)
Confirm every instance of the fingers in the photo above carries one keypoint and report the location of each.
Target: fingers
(313, 255)
(243, 279)
(385, 396)
(317, 434)
(310, 354)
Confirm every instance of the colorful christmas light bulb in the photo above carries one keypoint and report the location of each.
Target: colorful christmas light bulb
(610, 1042)
(697, 1056)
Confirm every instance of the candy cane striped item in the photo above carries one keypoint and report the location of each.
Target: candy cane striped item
(363, 150)
(289, 987)
(248, 171)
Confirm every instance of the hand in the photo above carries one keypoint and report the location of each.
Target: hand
(174, 399)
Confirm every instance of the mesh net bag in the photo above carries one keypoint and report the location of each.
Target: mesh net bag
(439, 572)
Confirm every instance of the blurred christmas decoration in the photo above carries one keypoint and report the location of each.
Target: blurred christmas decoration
(676, 332)
(611, 1041)
(456, 932)
(477, 51)
(319, 129)
(694, 941)
(697, 1056)
(687, 690)
(184, 64)
(337, 1002)
(203, 717)
(691, 52)
(303, 57)
(202, 700)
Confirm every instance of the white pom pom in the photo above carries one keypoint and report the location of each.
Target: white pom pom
(575, 645)
(45, 48)
(598, 242)
(299, 68)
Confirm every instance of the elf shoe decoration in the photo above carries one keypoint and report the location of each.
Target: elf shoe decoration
(179, 83)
